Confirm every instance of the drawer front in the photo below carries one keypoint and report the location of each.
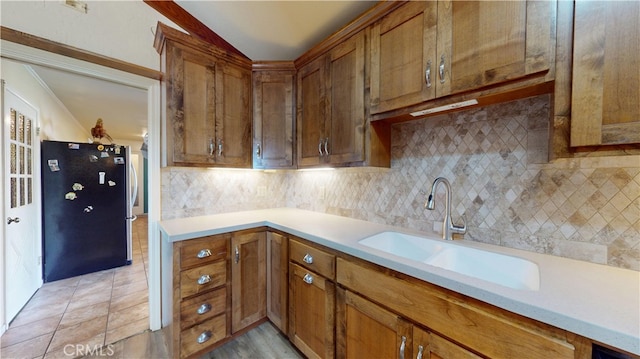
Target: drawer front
(203, 307)
(203, 336)
(204, 250)
(314, 259)
(200, 279)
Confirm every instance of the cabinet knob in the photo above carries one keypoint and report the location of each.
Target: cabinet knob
(307, 258)
(420, 350)
(427, 74)
(204, 337)
(402, 346)
(204, 279)
(204, 308)
(308, 278)
(204, 253)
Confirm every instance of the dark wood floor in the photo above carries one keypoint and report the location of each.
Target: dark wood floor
(262, 342)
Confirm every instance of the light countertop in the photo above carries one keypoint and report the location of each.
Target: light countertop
(595, 301)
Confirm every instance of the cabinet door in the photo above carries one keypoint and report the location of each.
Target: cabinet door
(481, 43)
(233, 116)
(248, 283)
(346, 129)
(191, 106)
(311, 313)
(605, 102)
(366, 330)
(277, 274)
(403, 53)
(311, 115)
(273, 119)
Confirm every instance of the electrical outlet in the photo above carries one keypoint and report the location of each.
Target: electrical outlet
(321, 192)
(262, 191)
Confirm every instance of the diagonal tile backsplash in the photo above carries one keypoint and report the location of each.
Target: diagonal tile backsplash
(502, 184)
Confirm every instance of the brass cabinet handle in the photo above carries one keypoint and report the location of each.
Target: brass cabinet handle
(204, 337)
(204, 253)
(204, 279)
(308, 278)
(204, 308)
(427, 74)
(308, 258)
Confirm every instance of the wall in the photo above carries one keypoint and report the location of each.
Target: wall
(117, 29)
(495, 158)
(56, 123)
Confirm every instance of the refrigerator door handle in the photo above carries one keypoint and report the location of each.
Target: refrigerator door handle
(134, 195)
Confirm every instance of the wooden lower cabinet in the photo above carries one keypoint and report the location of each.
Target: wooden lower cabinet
(277, 279)
(248, 278)
(311, 312)
(366, 330)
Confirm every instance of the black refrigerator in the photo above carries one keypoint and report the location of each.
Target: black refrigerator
(86, 212)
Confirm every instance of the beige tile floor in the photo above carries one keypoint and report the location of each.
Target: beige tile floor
(65, 318)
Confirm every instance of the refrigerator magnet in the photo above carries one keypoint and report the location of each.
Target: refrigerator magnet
(93, 158)
(118, 160)
(104, 154)
(70, 196)
(88, 209)
(77, 187)
(73, 146)
(101, 177)
(53, 165)
(111, 183)
(100, 147)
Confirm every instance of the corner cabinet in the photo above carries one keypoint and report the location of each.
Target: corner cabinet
(332, 125)
(273, 115)
(605, 97)
(431, 49)
(206, 94)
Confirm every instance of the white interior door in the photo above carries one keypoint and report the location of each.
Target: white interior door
(22, 247)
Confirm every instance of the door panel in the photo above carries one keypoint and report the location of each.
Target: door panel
(23, 271)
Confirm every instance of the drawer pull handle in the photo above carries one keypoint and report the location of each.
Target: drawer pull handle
(308, 278)
(237, 255)
(402, 346)
(308, 259)
(204, 308)
(204, 253)
(204, 337)
(427, 74)
(441, 69)
(420, 350)
(204, 279)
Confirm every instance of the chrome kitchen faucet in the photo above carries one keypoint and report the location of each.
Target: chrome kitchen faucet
(448, 228)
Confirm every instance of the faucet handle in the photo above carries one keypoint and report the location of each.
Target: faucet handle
(459, 229)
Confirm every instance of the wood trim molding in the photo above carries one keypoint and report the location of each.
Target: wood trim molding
(40, 43)
(193, 26)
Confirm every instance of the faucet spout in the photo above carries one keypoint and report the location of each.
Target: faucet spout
(448, 227)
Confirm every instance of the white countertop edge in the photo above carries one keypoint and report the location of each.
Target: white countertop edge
(535, 305)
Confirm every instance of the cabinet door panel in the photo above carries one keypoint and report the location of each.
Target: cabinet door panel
(606, 81)
(233, 116)
(248, 283)
(483, 43)
(277, 274)
(347, 125)
(311, 317)
(192, 107)
(311, 112)
(402, 44)
(369, 331)
(273, 119)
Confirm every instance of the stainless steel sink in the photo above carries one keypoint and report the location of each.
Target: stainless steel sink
(505, 270)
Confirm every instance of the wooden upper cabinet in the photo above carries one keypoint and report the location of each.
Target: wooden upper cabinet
(403, 53)
(605, 99)
(207, 97)
(332, 124)
(427, 50)
(273, 106)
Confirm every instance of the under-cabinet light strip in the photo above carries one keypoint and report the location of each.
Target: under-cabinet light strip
(452, 106)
